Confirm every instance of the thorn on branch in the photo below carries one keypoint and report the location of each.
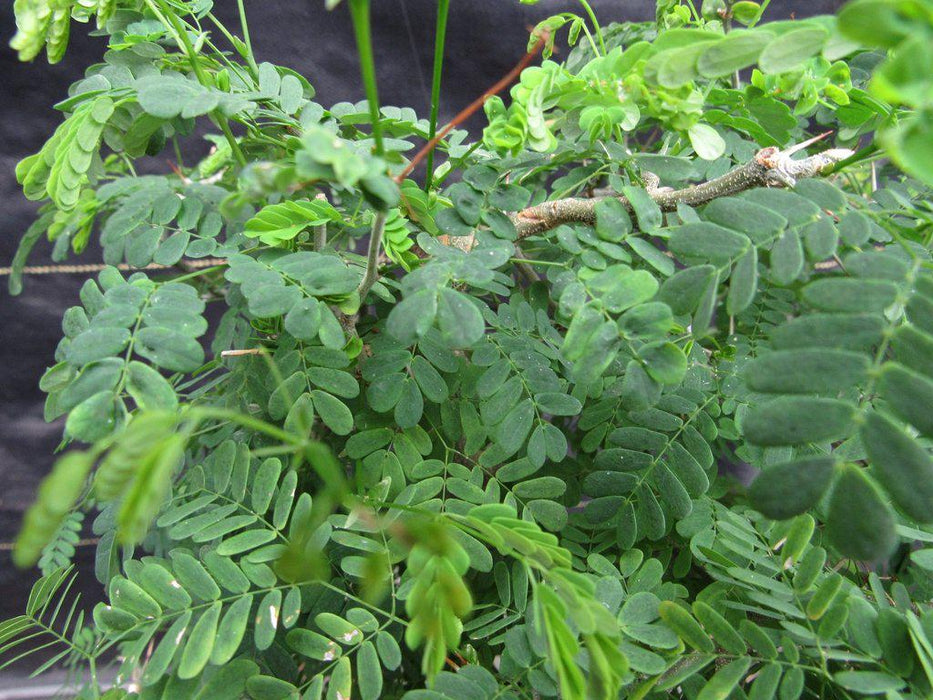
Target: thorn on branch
(240, 353)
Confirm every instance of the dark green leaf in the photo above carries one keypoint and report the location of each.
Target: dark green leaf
(459, 319)
(785, 490)
(744, 283)
(901, 465)
(798, 420)
(705, 241)
(804, 371)
(860, 523)
(849, 295)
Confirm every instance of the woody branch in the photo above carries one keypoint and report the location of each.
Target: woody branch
(771, 167)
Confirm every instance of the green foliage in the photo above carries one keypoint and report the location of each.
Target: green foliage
(495, 456)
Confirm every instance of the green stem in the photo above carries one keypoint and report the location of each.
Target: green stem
(247, 421)
(595, 23)
(250, 58)
(231, 139)
(359, 13)
(764, 6)
(440, 35)
(372, 256)
(198, 273)
(860, 155)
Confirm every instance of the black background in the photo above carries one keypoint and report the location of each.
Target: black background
(485, 39)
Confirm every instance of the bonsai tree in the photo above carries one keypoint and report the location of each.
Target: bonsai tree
(468, 419)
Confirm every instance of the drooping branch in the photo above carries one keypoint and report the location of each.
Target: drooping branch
(771, 167)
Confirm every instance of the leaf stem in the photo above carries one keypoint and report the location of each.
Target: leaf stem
(440, 35)
(224, 125)
(359, 13)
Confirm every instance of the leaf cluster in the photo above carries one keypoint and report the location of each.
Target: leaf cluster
(592, 413)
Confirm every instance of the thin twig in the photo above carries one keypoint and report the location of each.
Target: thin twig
(468, 111)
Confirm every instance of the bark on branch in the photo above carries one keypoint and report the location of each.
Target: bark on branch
(771, 167)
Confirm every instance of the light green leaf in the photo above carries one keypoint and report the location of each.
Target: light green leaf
(303, 320)
(430, 381)
(264, 483)
(789, 50)
(169, 349)
(96, 344)
(200, 644)
(389, 651)
(706, 141)
(734, 52)
(516, 425)
(685, 626)
(720, 629)
(231, 630)
(787, 258)
(270, 688)
(267, 619)
(94, 418)
(313, 645)
(164, 653)
(684, 291)
(909, 394)
(230, 679)
(869, 682)
(368, 672)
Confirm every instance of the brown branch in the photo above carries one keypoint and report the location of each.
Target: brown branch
(770, 167)
(469, 110)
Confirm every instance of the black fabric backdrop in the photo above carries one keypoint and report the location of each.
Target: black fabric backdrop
(485, 39)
